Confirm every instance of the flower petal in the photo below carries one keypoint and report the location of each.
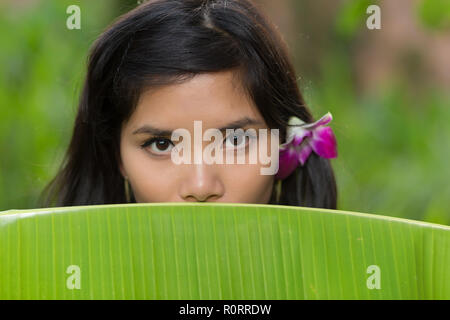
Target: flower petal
(321, 122)
(323, 142)
(298, 139)
(303, 153)
(293, 123)
(296, 135)
(288, 163)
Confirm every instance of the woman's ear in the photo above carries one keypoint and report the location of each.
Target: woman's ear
(122, 170)
(277, 187)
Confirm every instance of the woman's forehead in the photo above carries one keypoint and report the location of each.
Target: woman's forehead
(213, 98)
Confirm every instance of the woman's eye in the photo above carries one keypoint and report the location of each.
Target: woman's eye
(159, 146)
(236, 141)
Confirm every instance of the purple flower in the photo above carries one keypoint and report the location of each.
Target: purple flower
(302, 139)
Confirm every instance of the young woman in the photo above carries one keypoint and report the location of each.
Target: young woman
(163, 66)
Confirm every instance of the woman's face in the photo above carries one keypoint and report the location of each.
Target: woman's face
(217, 101)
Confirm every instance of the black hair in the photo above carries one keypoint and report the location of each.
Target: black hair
(170, 41)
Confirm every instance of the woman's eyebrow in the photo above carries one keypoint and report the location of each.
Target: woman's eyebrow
(246, 121)
(153, 131)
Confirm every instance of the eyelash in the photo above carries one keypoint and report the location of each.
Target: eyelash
(149, 142)
(156, 139)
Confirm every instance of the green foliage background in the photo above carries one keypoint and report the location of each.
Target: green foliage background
(394, 142)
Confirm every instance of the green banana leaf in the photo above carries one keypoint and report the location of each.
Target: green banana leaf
(219, 251)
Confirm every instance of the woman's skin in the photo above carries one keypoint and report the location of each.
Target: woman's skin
(217, 100)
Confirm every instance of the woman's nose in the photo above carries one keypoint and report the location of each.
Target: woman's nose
(201, 183)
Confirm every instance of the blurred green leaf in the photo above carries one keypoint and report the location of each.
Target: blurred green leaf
(351, 17)
(434, 14)
(43, 64)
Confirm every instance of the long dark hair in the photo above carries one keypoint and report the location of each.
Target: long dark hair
(170, 41)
